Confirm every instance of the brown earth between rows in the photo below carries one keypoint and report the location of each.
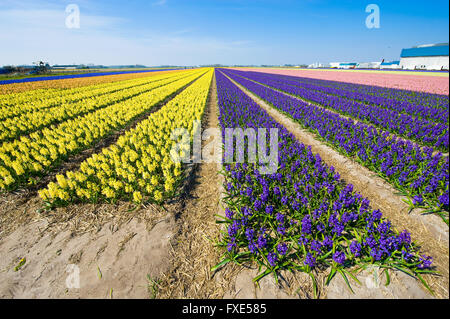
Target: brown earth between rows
(194, 253)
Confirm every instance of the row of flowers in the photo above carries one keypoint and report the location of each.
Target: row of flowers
(429, 106)
(415, 87)
(15, 104)
(81, 104)
(302, 217)
(440, 101)
(415, 171)
(139, 166)
(394, 120)
(67, 84)
(31, 156)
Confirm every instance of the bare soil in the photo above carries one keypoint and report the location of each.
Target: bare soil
(193, 252)
(113, 248)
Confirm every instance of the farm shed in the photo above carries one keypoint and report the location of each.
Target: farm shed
(368, 65)
(428, 57)
(390, 65)
(347, 65)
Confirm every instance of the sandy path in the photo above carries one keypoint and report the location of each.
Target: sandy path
(428, 230)
(194, 254)
(112, 263)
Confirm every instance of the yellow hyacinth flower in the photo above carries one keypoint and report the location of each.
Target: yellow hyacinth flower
(158, 195)
(137, 197)
(141, 157)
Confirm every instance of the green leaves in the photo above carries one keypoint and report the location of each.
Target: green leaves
(330, 276)
(345, 279)
(220, 264)
(20, 264)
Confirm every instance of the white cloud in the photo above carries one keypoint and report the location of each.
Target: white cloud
(52, 18)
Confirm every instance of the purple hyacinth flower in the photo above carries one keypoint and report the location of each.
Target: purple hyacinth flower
(306, 224)
(443, 199)
(229, 213)
(418, 200)
(272, 258)
(276, 190)
(316, 246)
(425, 262)
(320, 227)
(355, 248)
(262, 242)
(257, 205)
(231, 245)
(310, 260)
(407, 256)
(252, 247)
(249, 233)
(405, 237)
(339, 257)
(282, 249)
(280, 218)
(281, 230)
(303, 240)
(327, 242)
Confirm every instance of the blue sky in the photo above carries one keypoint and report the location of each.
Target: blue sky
(182, 32)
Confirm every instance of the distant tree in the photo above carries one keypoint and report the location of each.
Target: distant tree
(41, 67)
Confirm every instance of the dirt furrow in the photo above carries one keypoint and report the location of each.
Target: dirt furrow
(192, 252)
(193, 249)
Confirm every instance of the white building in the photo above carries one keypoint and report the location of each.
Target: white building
(317, 65)
(334, 64)
(425, 57)
(343, 65)
(390, 65)
(347, 65)
(368, 65)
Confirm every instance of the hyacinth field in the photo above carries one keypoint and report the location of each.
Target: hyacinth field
(421, 172)
(304, 216)
(105, 143)
(380, 79)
